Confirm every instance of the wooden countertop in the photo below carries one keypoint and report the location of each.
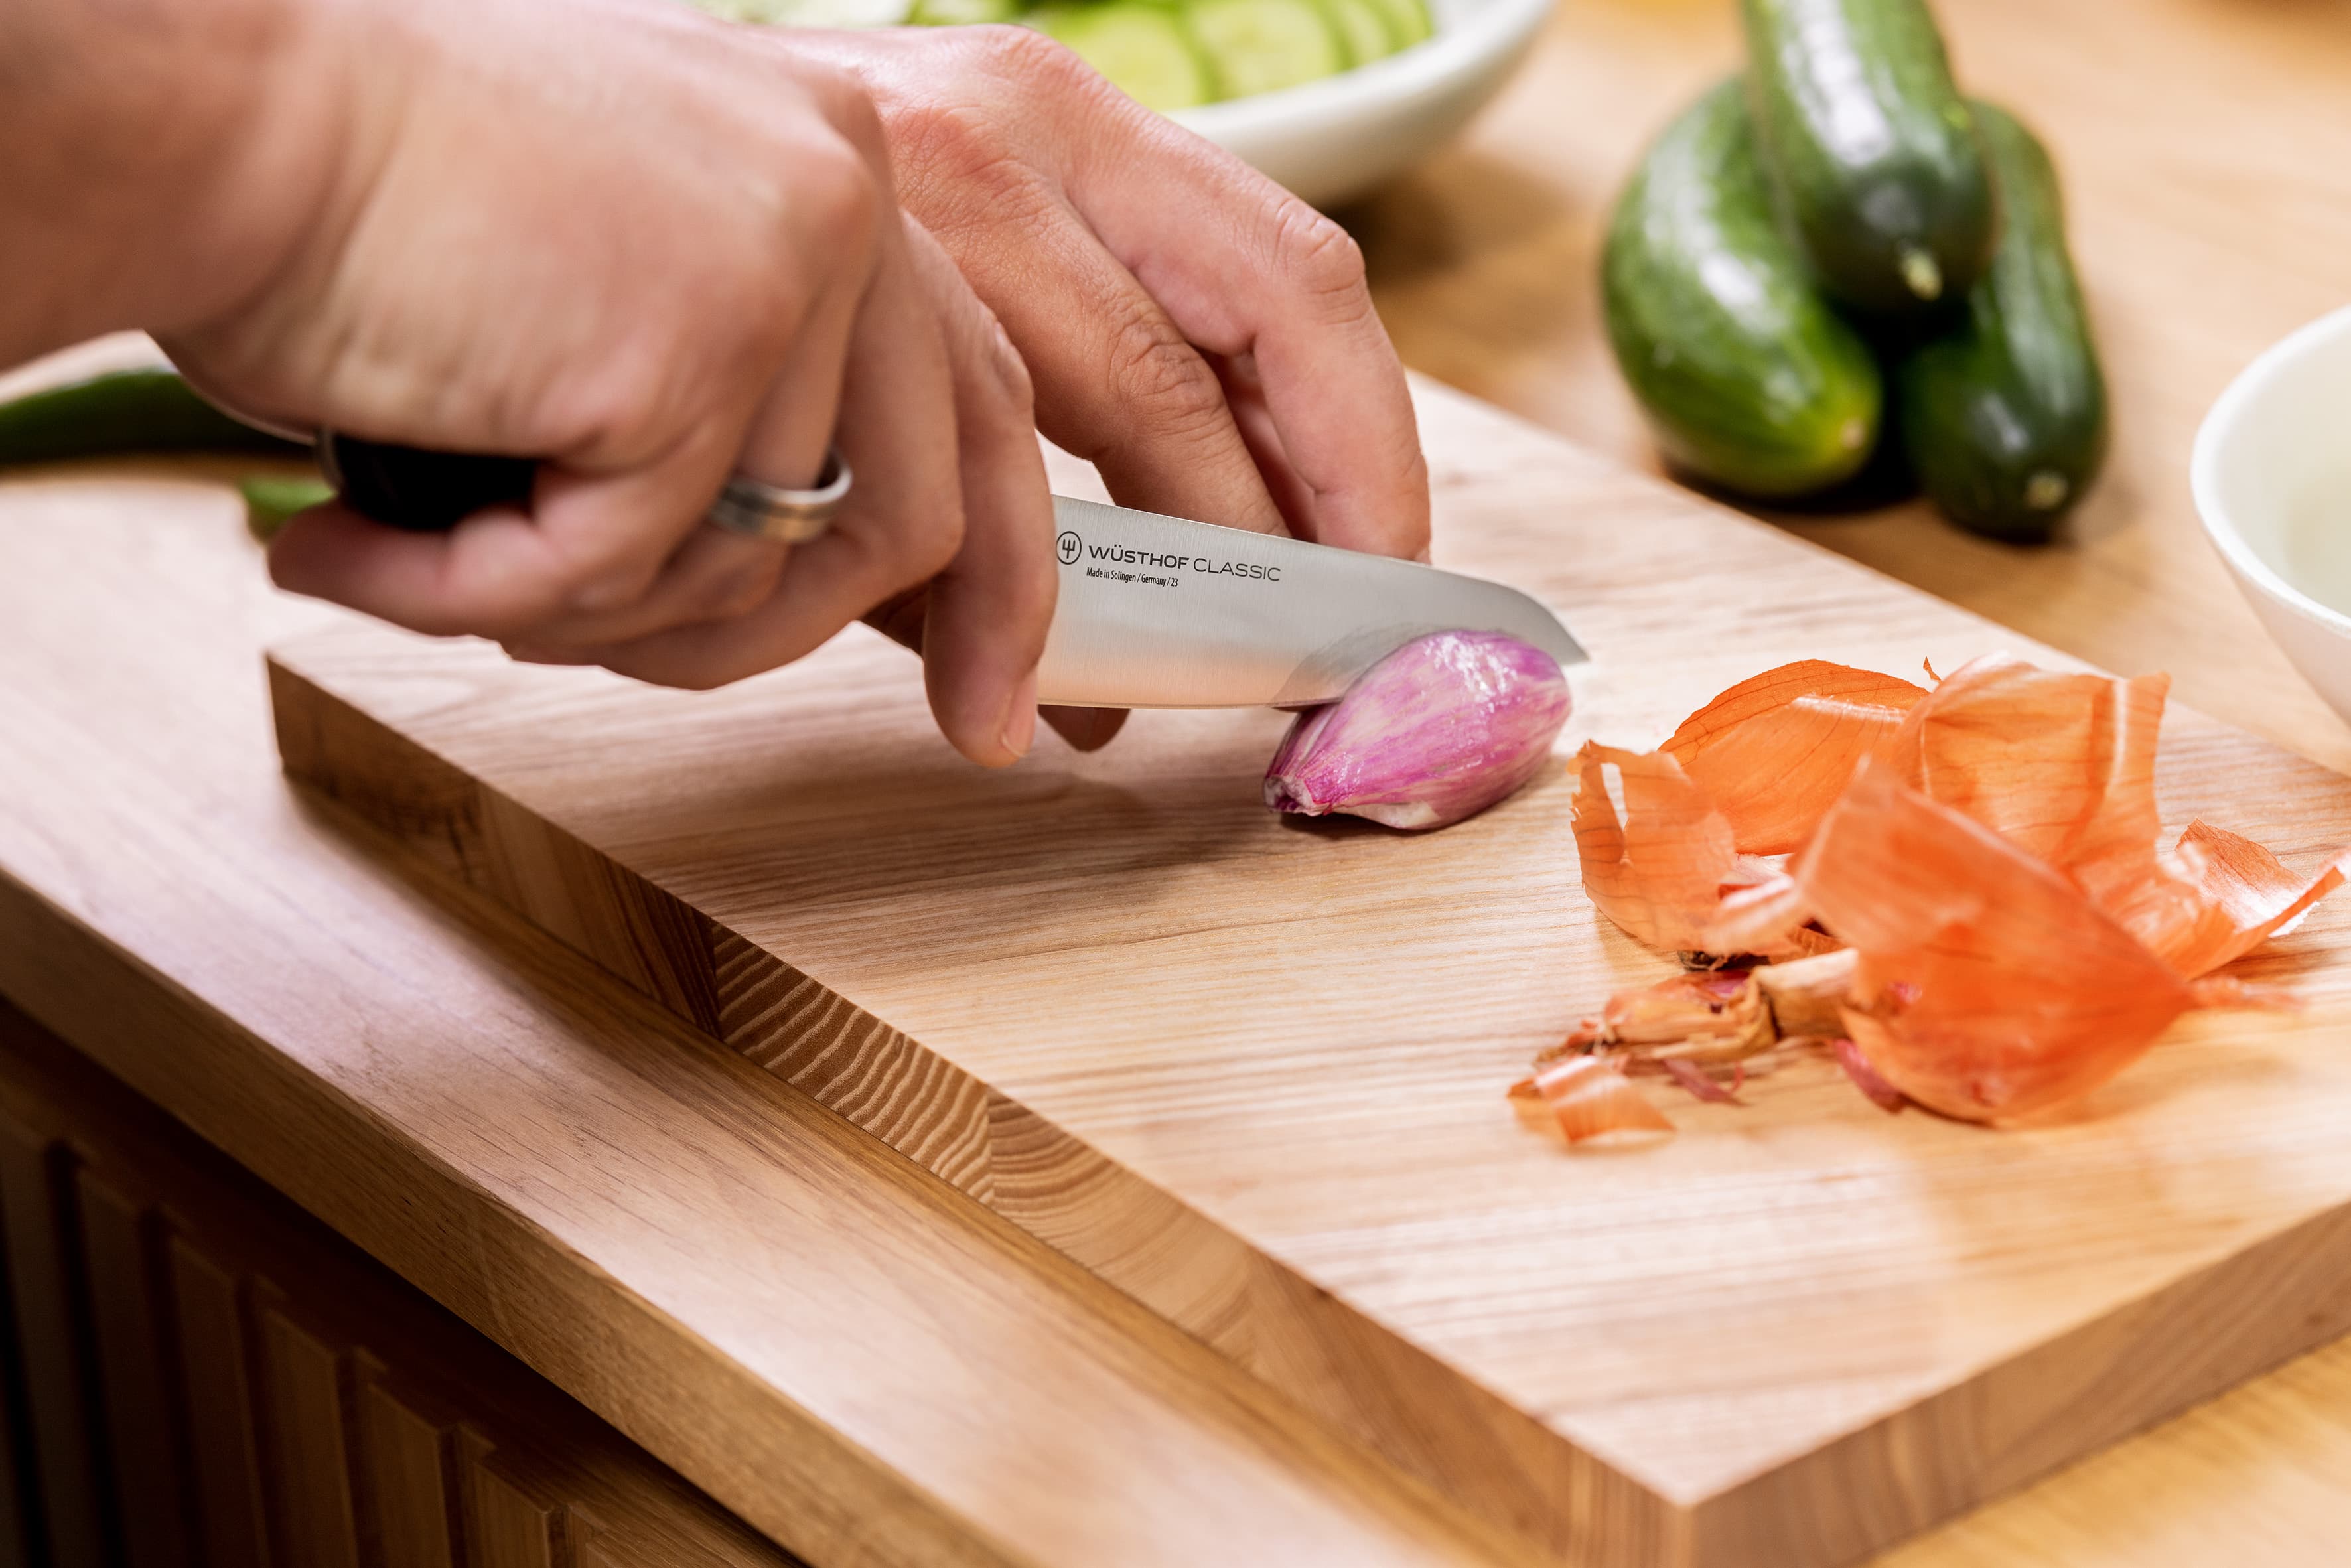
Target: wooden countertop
(862, 1367)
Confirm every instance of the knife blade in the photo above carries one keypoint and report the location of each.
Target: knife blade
(1159, 612)
(1154, 611)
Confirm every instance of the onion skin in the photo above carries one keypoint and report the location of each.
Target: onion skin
(1775, 752)
(1988, 986)
(1440, 729)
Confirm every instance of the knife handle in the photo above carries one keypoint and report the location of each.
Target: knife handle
(421, 491)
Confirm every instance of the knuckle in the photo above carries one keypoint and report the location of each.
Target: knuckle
(1155, 371)
(964, 169)
(1322, 256)
(1027, 57)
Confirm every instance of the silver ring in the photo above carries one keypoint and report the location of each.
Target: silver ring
(788, 517)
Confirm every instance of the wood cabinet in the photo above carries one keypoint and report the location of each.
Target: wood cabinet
(195, 1373)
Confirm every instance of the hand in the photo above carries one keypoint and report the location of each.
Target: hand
(649, 249)
(1201, 336)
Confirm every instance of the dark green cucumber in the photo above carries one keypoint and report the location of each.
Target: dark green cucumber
(123, 411)
(2005, 417)
(1871, 151)
(1749, 381)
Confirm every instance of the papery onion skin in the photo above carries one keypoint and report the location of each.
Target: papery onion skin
(2247, 896)
(1442, 728)
(1662, 869)
(1865, 1078)
(1987, 985)
(2062, 764)
(1773, 752)
(1657, 871)
(1591, 1095)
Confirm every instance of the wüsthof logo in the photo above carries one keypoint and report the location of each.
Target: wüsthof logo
(1070, 547)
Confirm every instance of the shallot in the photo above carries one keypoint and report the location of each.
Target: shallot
(1440, 729)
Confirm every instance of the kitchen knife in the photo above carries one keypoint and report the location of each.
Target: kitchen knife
(1154, 611)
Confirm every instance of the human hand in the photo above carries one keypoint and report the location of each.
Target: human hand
(1201, 336)
(648, 249)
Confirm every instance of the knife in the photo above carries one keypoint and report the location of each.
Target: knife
(1154, 611)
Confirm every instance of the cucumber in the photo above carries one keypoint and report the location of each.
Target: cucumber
(1408, 20)
(2005, 418)
(270, 503)
(1262, 45)
(962, 13)
(1749, 379)
(1363, 28)
(123, 411)
(1871, 151)
(1142, 49)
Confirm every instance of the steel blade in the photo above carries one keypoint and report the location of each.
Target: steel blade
(1159, 612)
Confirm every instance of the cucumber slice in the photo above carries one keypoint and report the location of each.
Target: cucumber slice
(1408, 20)
(962, 13)
(1261, 46)
(811, 13)
(1142, 49)
(1363, 28)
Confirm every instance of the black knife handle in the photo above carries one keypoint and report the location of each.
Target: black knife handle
(423, 491)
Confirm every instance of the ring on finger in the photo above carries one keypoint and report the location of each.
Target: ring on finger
(765, 511)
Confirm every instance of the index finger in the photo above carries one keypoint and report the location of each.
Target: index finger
(1245, 268)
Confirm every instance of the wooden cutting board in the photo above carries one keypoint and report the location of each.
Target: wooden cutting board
(1254, 1072)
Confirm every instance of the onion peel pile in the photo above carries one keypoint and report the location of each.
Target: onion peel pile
(1976, 910)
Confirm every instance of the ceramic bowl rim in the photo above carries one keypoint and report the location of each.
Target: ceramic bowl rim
(2216, 434)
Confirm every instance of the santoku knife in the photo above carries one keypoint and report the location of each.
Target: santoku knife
(1154, 612)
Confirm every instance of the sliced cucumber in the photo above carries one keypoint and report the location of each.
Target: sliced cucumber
(1362, 27)
(962, 13)
(1262, 45)
(1142, 49)
(1408, 20)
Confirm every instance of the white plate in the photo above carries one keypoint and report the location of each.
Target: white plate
(2272, 481)
(1333, 139)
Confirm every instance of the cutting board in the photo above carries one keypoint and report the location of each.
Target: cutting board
(1253, 1072)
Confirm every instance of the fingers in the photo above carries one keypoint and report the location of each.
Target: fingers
(988, 611)
(591, 540)
(1243, 268)
(1116, 381)
(903, 524)
(716, 575)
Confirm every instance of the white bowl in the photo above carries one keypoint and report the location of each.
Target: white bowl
(2273, 480)
(1333, 139)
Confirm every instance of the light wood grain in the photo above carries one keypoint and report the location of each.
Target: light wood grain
(859, 1362)
(2205, 151)
(1251, 1074)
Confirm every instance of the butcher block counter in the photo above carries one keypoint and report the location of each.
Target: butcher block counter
(794, 1317)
